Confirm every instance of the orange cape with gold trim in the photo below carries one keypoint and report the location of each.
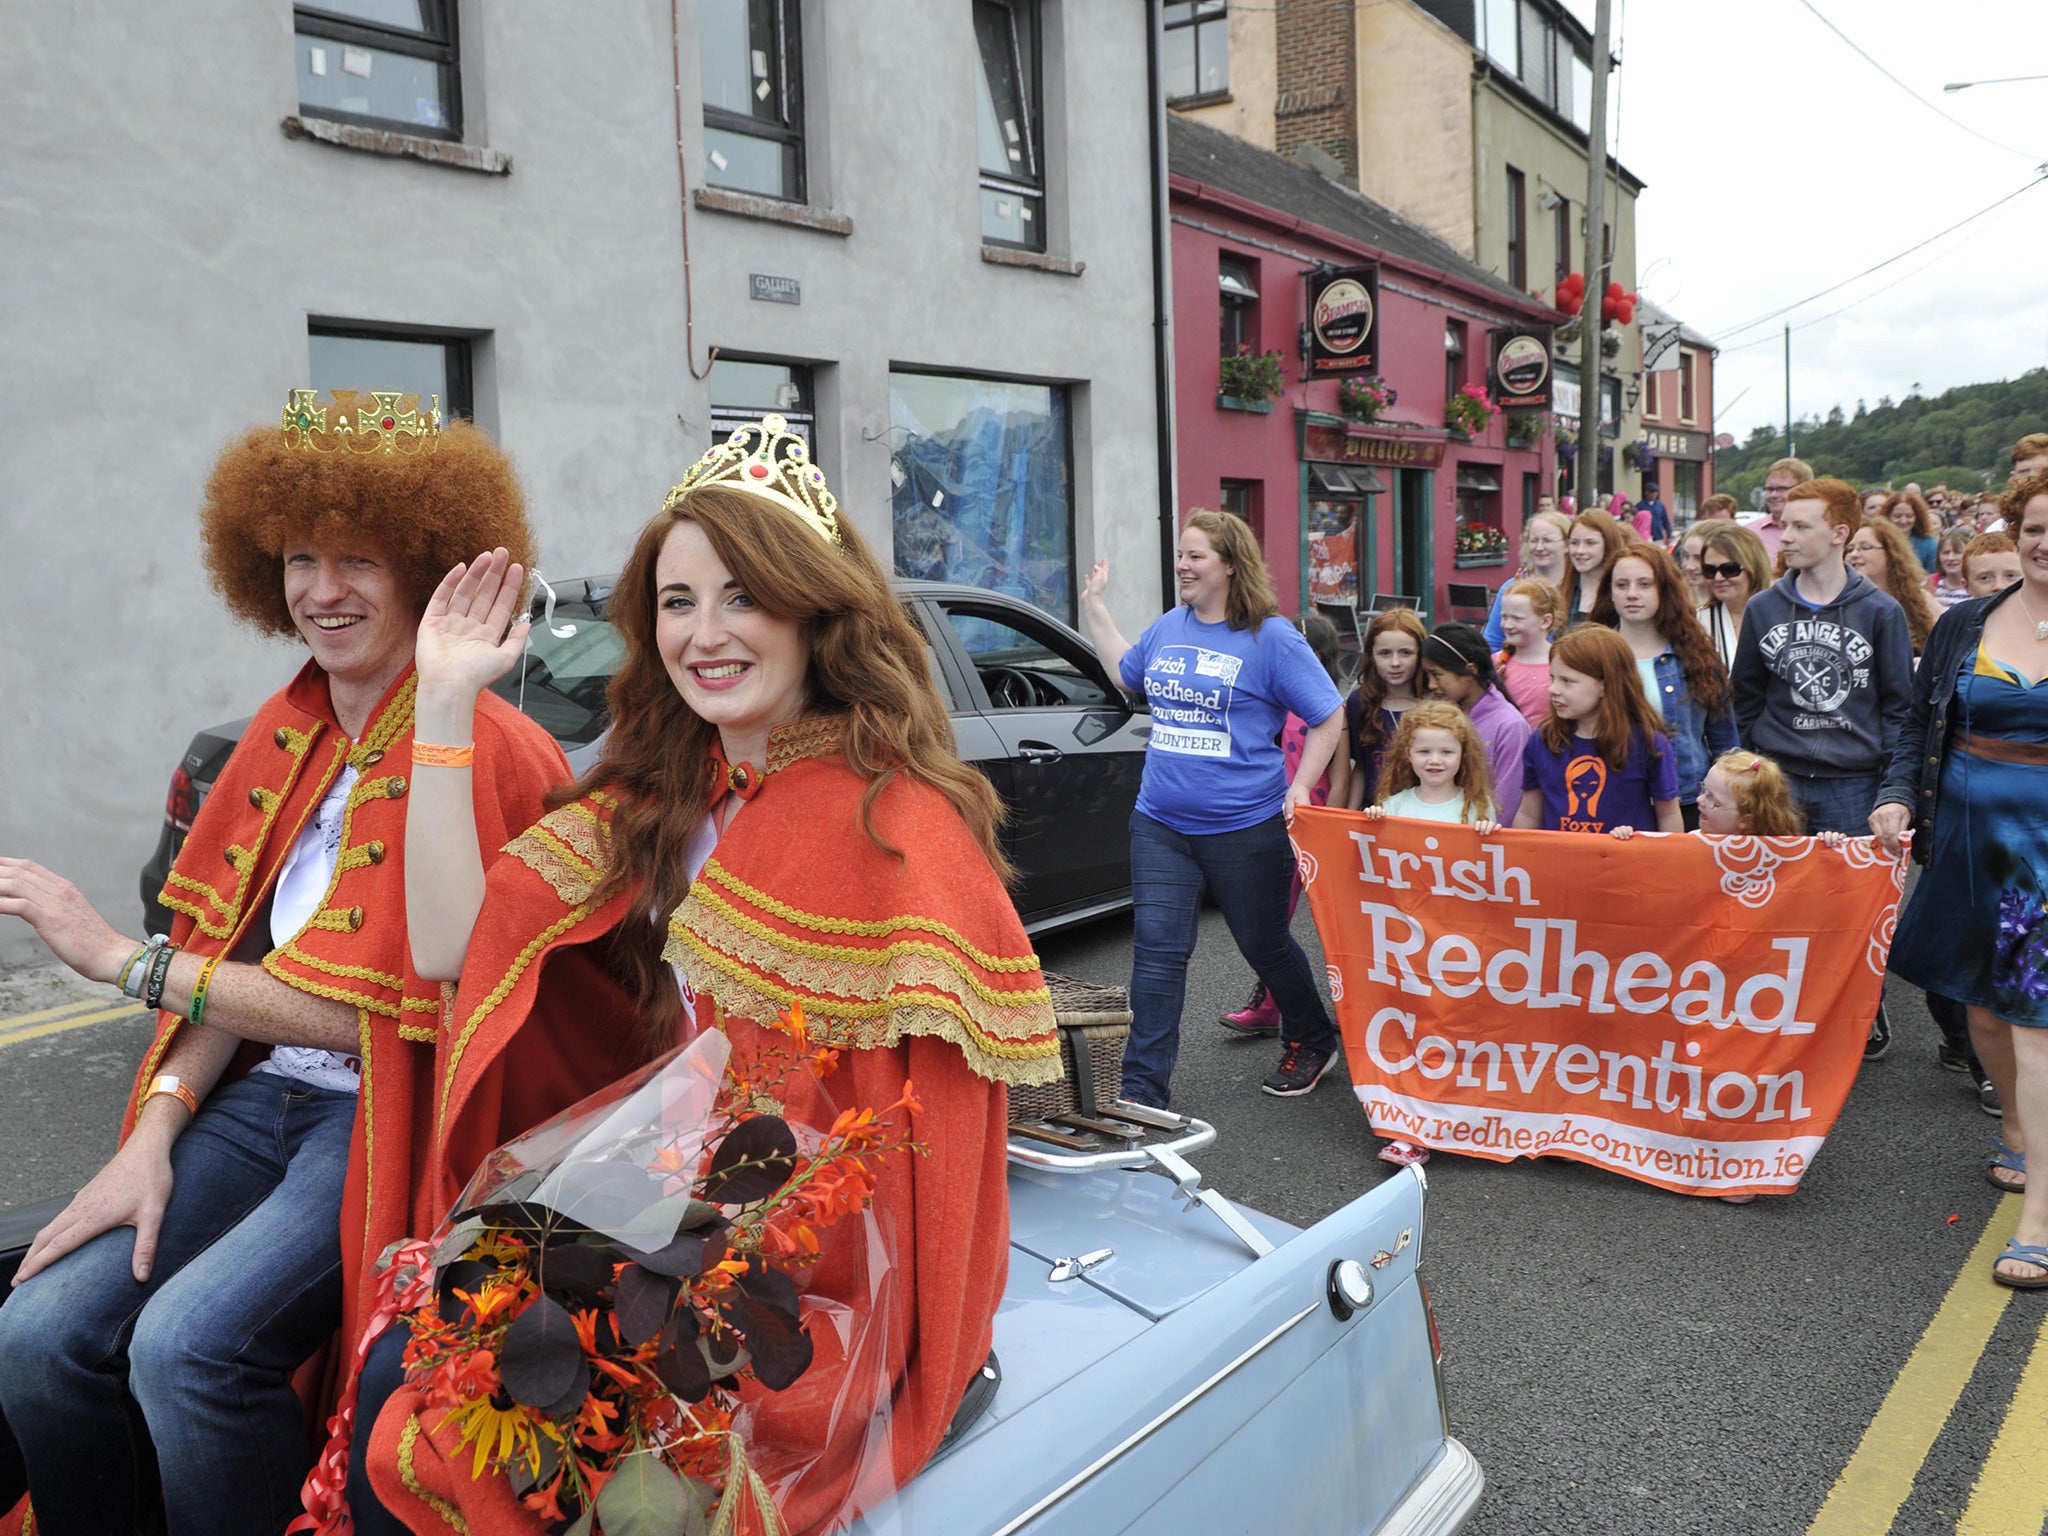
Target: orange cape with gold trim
(917, 963)
(353, 948)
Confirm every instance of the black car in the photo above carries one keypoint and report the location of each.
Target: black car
(1032, 708)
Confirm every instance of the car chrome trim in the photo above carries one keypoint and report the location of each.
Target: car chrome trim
(1145, 1431)
(1074, 1268)
(1442, 1499)
(1199, 1134)
(1188, 1180)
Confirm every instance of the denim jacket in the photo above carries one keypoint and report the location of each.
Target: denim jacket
(1697, 738)
(1914, 777)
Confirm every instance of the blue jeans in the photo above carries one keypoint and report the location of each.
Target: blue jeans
(383, 1374)
(1836, 805)
(1248, 874)
(107, 1383)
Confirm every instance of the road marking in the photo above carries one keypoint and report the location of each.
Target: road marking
(59, 1026)
(1879, 1476)
(2011, 1496)
(40, 1014)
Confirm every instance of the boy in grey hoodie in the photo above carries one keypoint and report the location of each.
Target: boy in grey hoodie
(1823, 674)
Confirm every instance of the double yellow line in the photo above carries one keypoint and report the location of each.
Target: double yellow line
(2011, 1494)
(76, 1014)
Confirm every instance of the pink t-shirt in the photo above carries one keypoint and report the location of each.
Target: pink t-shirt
(1528, 684)
(1293, 737)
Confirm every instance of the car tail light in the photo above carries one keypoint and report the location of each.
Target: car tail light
(182, 801)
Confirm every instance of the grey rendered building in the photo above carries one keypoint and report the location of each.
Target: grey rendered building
(923, 229)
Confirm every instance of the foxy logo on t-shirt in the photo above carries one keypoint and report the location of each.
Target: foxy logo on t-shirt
(1585, 781)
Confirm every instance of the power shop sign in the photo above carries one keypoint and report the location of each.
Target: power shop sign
(1343, 320)
(1686, 1011)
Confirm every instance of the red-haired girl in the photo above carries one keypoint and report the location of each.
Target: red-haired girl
(1601, 760)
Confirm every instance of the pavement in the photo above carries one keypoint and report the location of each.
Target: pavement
(1621, 1360)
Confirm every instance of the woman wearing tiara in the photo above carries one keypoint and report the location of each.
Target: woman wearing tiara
(780, 781)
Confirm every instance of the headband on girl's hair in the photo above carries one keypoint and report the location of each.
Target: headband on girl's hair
(1458, 659)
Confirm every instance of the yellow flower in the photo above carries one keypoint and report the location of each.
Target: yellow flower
(501, 1435)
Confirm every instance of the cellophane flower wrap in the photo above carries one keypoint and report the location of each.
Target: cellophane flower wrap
(618, 1288)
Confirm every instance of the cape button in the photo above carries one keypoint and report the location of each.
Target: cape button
(355, 918)
(280, 737)
(256, 798)
(374, 852)
(374, 756)
(228, 854)
(397, 788)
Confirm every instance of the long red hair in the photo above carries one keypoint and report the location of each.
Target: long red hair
(1613, 540)
(1371, 691)
(1706, 677)
(867, 664)
(1599, 653)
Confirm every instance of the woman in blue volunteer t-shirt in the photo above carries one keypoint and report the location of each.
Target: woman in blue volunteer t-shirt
(1220, 672)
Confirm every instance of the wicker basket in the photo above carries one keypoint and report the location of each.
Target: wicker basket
(1094, 1022)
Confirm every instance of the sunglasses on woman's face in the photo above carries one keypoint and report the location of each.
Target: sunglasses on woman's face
(1714, 572)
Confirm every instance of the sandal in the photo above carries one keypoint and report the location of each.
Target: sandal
(1403, 1154)
(2027, 1253)
(2004, 1159)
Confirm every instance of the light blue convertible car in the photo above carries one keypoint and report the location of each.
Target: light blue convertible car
(1173, 1365)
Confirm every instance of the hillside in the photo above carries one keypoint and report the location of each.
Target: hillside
(1960, 437)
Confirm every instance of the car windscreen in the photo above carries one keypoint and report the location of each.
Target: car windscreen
(561, 679)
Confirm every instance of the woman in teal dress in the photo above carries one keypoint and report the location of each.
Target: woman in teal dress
(1970, 774)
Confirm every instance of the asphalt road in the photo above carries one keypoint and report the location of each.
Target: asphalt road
(1621, 1360)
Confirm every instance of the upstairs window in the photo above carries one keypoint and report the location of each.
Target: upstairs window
(1239, 281)
(1688, 386)
(752, 66)
(1197, 49)
(1498, 34)
(1454, 357)
(743, 390)
(1561, 232)
(381, 63)
(1518, 229)
(363, 358)
(1012, 169)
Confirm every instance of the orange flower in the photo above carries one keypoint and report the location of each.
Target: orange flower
(544, 1503)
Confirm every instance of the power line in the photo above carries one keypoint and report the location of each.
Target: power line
(1736, 330)
(1957, 122)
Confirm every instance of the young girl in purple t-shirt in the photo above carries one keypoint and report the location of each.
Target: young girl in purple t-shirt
(1601, 760)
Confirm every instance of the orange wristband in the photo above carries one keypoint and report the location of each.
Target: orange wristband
(426, 755)
(168, 1084)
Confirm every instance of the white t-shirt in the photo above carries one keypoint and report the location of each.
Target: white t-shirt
(308, 871)
(695, 855)
(1409, 802)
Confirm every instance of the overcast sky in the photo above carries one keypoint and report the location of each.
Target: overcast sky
(1779, 163)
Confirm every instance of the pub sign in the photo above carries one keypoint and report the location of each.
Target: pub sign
(1343, 320)
(1519, 372)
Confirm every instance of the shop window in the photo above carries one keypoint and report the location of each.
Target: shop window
(983, 485)
(1454, 357)
(1480, 539)
(743, 390)
(382, 63)
(364, 358)
(1518, 229)
(1006, 89)
(1684, 503)
(1197, 59)
(1245, 498)
(1336, 512)
(1688, 377)
(1239, 281)
(752, 68)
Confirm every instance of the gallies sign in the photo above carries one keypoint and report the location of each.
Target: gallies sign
(1687, 1011)
(1343, 320)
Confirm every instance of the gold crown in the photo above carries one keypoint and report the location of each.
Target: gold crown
(361, 421)
(765, 457)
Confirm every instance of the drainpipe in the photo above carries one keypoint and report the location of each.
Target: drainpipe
(1162, 317)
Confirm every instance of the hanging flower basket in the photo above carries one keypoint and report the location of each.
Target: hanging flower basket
(1250, 378)
(1526, 428)
(1365, 399)
(1470, 412)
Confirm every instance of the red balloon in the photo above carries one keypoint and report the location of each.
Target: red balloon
(1626, 312)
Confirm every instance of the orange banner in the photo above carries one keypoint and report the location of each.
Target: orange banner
(1689, 1011)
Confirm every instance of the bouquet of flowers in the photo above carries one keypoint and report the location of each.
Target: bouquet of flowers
(1481, 539)
(1365, 399)
(587, 1315)
(1470, 411)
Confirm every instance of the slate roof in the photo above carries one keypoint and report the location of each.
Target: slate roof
(1229, 164)
(1645, 310)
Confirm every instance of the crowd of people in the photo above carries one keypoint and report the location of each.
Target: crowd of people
(1838, 667)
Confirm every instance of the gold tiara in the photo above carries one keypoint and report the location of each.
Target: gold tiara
(771, 461)
(361, 421)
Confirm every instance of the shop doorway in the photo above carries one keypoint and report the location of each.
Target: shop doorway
(1414, 565)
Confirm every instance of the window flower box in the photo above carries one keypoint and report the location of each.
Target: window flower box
(1233, 403)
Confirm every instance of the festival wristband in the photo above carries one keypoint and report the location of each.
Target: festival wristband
(168, 1084)
(195, 1011)
(427, 755)
(159, 968)
(129, 977)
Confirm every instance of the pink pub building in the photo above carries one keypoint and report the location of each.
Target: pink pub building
(1318, 339)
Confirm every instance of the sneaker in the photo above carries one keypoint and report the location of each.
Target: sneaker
(1259, 1016)
(1952, 1058)
(1301, 1068)
(1987, 1100)
(1880, 1039)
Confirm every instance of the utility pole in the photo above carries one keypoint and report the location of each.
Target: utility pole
(1592, 396)
(1791, 451)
